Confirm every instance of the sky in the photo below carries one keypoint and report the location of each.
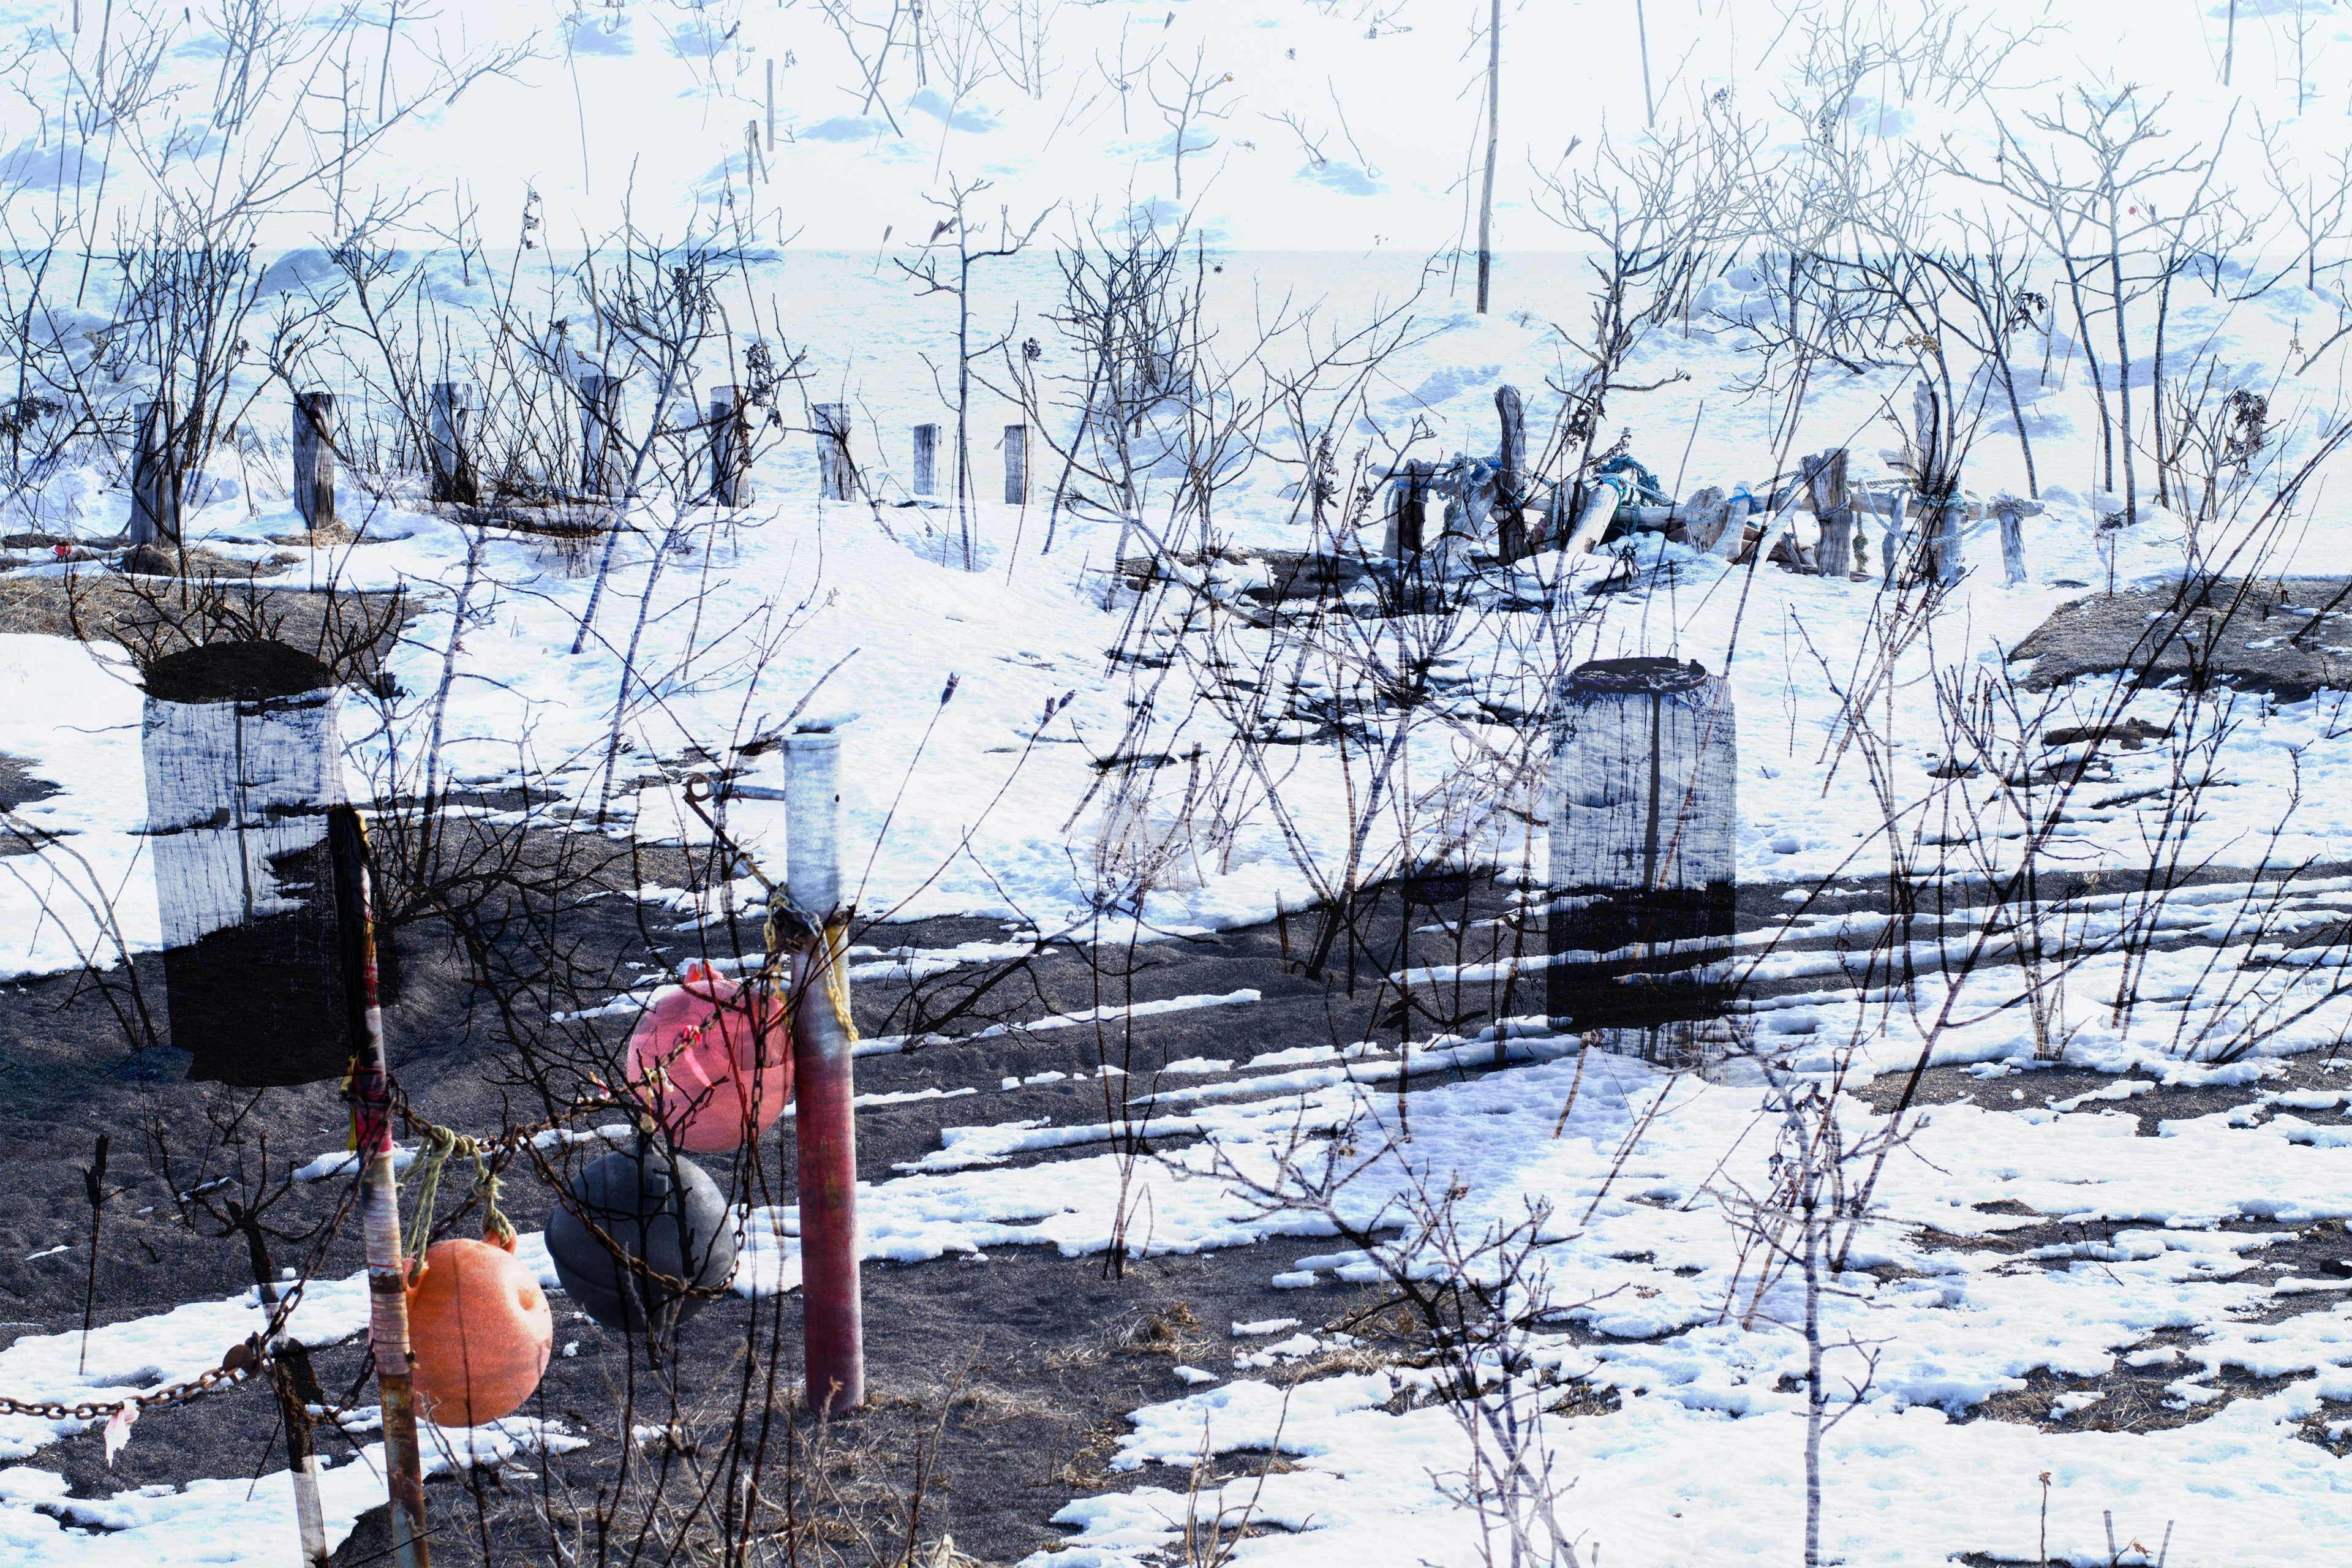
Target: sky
(1330, 125)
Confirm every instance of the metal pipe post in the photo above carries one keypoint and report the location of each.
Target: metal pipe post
(833, 1328)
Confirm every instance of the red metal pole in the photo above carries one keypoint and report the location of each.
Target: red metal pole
(825, 1126)
(371, 1100)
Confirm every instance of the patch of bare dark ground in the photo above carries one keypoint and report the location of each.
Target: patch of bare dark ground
(1022, 1367)
(2288, 637)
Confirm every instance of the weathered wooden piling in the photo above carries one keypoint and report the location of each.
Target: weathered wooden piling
(314, 459)
(1949, 515)
(836, 476)
(1409, 510)
(449, 435)
(927, 460)
(600, 424)
(730, 447)
(154, 486)
(2011, 511)
(1644, 815)
(1511, 473)
(1016, 465)
(1824, 478)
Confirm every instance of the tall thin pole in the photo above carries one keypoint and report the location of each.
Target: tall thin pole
(1642, 26)
(1493, 139)
(371, 1100)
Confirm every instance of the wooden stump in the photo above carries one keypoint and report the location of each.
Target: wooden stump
(927, 460)
(1824, 480)
(1409, 510)
(1643, 814)
(1836, 553)
(450, 430)
(243, 763)
(1511, 474)
(1949, 515)
(314, 459)
(154, 488)
(1016, 465)
(600, 421)
(730, 448)
(2012, 512)
(836, 476)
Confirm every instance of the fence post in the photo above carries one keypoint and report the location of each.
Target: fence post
(1644, 812)
(314, 459)
(927, 460)
(600, 417)
(1408, 510)
(1016, 465)
(1949, 515)
(154, 498)
(836, 476)
(730, 448)
(451, 432)
(371, 1098)
(832, 1329)
(2012, 513)
(1511, 478)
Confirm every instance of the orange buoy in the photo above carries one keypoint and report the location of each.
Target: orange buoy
(480, 1330)
(712, 1060)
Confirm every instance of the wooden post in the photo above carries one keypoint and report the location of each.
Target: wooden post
(1891, 542)
(243, 763)
(450, 432)
(600, 419)
(833, 1319)
(371, 1100)
(1644, 863)
(1949, 515)
(154, 496)
(1824, 479)
(2012, 512)
(1835, 556)
(1016, 465)
(730, 448)
(1511, 473)
(836, 476)
(1408, 510)
(927, 460)
(314, 459)
(1731, 537)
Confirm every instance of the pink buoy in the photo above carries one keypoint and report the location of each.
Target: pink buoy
(712, 1060)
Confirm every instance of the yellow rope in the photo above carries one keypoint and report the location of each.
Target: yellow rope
(836, 977)
(440, 1143)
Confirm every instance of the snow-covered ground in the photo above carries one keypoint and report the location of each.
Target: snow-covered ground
(1703, 1461)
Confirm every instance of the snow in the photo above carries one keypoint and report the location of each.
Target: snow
(980, 795)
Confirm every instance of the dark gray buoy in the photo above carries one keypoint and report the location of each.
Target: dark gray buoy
(659, 1225)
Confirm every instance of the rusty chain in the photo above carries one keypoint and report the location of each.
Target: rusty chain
(241, 1363)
